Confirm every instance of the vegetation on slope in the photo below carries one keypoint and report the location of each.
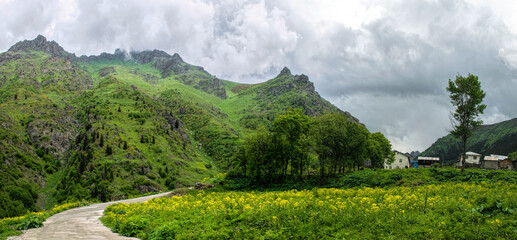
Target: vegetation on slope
(499, 138)
(108, 126)
(36, 131)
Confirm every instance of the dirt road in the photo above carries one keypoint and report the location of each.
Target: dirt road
(79, 223)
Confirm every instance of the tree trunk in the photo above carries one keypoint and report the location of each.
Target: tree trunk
(463, 153)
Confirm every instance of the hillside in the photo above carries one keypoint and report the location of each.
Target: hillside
(115, 125)
(499, 138)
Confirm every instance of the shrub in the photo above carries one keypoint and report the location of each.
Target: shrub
(31, 221)
(165, 232)
(132, 226)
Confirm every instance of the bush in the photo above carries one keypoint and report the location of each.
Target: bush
(133, 227)
(165, 232)
(31, 221)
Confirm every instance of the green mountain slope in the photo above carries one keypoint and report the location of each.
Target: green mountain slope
(499, 138)
(109, 126)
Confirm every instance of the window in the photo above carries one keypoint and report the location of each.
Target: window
(475, 158)
(400, 160)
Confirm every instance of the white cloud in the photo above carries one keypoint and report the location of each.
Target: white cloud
(410, 123)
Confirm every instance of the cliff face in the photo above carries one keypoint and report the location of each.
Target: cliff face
(298, 91)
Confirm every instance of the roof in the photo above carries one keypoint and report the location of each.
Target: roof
(501, 157)
(491, 158)
(429, 158)
(472, 154)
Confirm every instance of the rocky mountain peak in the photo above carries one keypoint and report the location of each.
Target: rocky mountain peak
(40, 43)
(177, 57)
(285, 72)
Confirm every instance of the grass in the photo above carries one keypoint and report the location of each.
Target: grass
(436, 211)
(51, 182)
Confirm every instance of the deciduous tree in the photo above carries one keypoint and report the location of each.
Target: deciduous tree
(466, 96)
(292, 127)
(379, 150)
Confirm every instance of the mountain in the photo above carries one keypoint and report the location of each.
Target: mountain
(114, 125)
(499, 138)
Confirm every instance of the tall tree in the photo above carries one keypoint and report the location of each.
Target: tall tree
(257, 151)
(292, 127)
(466, 96)
(357, 143)
(329, 132)
(379, 150)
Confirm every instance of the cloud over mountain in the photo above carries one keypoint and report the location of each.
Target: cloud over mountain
(386, 62)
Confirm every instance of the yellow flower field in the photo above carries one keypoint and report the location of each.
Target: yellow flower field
(452, 211)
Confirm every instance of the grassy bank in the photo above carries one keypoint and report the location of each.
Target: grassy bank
(13, 226)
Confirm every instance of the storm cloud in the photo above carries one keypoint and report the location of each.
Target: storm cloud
(386, 62)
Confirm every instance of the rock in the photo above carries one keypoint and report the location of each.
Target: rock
(285, 72)
(106, 71)
(203, 186)
(40, 43)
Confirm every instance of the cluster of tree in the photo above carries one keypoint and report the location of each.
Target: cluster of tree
(513, 156)
(297, 145)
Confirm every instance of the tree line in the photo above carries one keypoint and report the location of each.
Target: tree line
(298, 145)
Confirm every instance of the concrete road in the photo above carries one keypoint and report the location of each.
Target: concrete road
(79, 223)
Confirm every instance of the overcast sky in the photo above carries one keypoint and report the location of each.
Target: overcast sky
(386, 62)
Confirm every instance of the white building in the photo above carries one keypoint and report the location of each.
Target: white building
(472, 158)
(401, 161)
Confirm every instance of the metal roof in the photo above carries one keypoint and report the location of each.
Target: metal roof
(472, 154)
(491, 158)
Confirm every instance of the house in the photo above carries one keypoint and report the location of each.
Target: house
(427, 162)
(497, 162)
(504, 162)
(472, 160)
(491, 162)
(401, 161)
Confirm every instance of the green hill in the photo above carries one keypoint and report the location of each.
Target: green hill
(114, 125)
(499, 138)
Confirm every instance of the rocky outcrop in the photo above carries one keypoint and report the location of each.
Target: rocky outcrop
(51, 71)
(145, 57)
(298, 91)
(54, 135)
(203, 186)
(60, 72)
(106, 71)
(40, 43)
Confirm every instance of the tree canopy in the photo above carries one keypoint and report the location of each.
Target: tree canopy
(297, 144)
(466, 96)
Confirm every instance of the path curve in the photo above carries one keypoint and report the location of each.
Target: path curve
(79, 223)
